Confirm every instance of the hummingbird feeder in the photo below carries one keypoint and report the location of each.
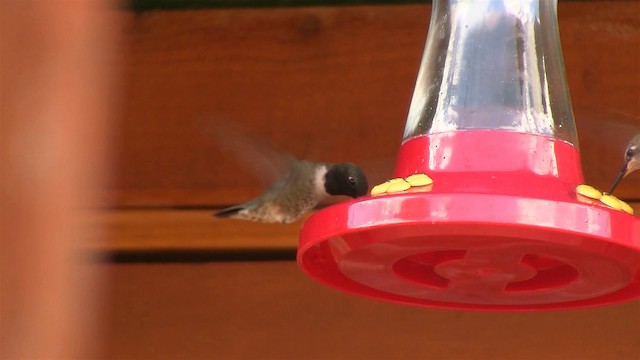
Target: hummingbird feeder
(501, 227)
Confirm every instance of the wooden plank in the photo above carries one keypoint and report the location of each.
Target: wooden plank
(152, 230)
(329, 84)
(272, 311)
(191, 230)
(275, 71)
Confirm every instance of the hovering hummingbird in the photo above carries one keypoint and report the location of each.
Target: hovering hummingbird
(299, 185)
(300, 190)
(631, 160)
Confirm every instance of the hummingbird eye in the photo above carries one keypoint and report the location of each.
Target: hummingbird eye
(631, 152)
(352, 181)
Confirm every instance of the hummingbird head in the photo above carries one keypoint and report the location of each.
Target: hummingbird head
(345, 179)
(631, 161)
(632, 155)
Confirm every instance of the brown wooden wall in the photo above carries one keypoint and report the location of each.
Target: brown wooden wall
(269, 310)
(325, 83)
(330, 84)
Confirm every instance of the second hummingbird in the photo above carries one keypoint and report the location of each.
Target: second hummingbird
(631, 161)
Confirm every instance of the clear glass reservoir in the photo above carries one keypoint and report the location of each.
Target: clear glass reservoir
(492, 64)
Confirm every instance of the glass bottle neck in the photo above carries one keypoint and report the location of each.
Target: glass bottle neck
(492, 64)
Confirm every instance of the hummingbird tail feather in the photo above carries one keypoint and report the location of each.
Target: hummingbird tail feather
(230, 211)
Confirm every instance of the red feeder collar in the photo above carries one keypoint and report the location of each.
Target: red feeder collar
(501, 228)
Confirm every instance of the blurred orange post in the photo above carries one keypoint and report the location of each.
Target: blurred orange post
(57, 73)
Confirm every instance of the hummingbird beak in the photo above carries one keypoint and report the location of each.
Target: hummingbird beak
(622, 174)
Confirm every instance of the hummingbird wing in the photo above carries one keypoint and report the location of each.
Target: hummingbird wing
(603, 135)
(260, 158)
(285, 201)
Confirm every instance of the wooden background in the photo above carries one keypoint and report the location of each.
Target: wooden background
(330, 84)
(323, 83)
(327, 83)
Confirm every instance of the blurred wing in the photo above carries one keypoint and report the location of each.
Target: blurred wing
(603, 135)
(605, 131)
(253, 153)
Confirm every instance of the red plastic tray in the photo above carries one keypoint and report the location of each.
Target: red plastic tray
(501, 228)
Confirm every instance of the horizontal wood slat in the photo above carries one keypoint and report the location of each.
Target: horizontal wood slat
(149, 230)
(188, 230)
(327, 83)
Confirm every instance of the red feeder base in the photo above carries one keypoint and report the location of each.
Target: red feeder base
(501, 228)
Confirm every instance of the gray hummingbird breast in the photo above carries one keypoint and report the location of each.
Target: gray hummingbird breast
(297, 193)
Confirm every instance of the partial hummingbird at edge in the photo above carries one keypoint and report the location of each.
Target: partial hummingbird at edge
(631, 161)
(300, 185)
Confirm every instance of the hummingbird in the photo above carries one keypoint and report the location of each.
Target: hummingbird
(631, 160)
(299, 190)
(297, 185)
